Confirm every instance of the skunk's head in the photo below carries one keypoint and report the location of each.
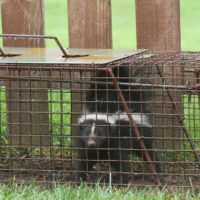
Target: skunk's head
(94, 130)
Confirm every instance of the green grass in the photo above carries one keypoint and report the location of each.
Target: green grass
(123, 24)
(60, 116)
(3, 117)
(192, 120)
(190, 29)
(65, 192)
(56, 22)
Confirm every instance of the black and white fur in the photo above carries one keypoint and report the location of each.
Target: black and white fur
(104, 132)
(110, 138)
(103, 97)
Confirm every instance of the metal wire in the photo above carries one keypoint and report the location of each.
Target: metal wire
(68, 123)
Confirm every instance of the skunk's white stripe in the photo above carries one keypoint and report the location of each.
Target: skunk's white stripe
(95, 117)
(140, 119)
(92, 129)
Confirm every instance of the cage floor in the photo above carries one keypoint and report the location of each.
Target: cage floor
(45, 172)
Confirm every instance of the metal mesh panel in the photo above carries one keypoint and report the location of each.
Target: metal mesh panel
(134, 121)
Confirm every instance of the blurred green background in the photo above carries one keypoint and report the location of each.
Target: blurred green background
(123, 22)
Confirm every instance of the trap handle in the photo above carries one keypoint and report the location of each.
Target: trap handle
(38, 37)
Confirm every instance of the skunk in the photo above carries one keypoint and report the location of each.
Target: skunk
(103, 137)
(102, 96)
(92, 142)
(104, 132)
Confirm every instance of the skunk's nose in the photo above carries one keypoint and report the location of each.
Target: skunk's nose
(91, 143)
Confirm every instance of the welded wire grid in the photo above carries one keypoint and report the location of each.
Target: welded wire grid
(49, 113)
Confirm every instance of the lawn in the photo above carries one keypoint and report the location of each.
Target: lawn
(190, 29)
(31, 192)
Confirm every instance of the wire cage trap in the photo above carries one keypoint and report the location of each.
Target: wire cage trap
(109, 116)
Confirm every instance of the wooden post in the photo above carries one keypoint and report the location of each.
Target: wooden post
(158, 29)
(22, 17)
(89, 27)
(90, 24)
(158, 24)
(27, 109)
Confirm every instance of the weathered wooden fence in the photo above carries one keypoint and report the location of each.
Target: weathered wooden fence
(90, 23)
(90, 26)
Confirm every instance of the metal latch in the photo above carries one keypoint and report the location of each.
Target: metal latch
(3, 54)
(19, 36)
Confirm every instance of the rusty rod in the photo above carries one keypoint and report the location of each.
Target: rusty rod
(134, 127)
(21, 36)
(2, 53)
(195, 87)
(180, 120)
(175, 87)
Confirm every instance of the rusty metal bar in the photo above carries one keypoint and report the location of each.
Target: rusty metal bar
(134, 127)
(2, 52)
(195, 87)
(21, 36)
(110, 83)
(181, 87)
(180, 120)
